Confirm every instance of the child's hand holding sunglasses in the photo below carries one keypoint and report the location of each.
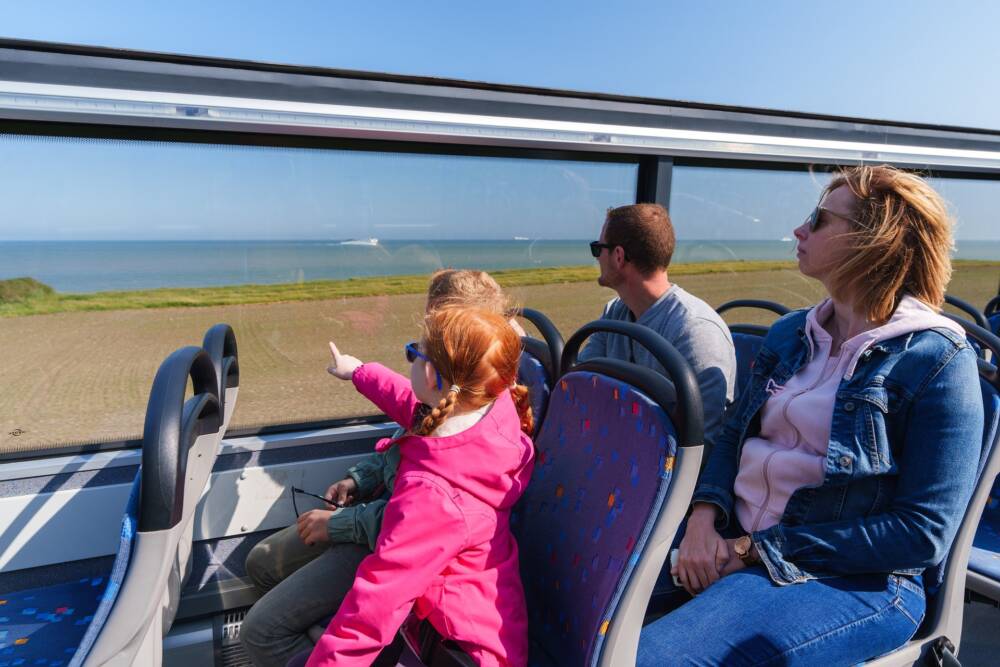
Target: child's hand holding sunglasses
(342, 365)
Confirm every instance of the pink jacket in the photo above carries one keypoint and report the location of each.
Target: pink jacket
(790, 451)
(445, 548)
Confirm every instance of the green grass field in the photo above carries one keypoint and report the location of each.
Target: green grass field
(77, 368)
(25, 296)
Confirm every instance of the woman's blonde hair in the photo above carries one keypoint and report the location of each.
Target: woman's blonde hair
(464, 287)
(476, 351)
(900, 241)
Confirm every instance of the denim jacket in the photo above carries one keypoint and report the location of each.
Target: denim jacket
(901, 465)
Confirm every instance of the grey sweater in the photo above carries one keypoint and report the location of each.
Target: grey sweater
(698, 333)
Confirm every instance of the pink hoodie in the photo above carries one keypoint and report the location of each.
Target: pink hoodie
(445, 548)
(790, 452)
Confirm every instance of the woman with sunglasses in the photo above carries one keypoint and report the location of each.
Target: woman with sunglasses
(445, 548)
(842, 473)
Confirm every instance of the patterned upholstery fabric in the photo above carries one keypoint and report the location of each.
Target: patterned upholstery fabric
(747, 347)
(532, 374)
(985, 555)
(604, 461)
(57, 625)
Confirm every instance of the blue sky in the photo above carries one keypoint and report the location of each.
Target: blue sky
(912, 61)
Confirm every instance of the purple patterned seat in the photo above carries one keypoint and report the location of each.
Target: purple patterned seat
(603, 466)
(594, 519)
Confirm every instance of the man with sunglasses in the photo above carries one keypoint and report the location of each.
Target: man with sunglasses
(634, 251)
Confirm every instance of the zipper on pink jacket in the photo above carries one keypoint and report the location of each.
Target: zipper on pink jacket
(823, 377)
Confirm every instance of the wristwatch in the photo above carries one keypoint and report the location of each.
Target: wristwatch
(743, 547)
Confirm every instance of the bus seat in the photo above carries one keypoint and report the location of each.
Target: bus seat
(983, 576)
(539, 365)
(220, 343)
(617, 459)
(180, 441)
(118, 619)
(992, 313)
(973, 315)
(747, 338)
(939, 635)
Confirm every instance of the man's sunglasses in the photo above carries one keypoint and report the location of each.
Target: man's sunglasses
(297, 490)
(597, 246)
(814, 221)
(413, 353)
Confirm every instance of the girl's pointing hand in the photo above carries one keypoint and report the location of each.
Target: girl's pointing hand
(341, 365)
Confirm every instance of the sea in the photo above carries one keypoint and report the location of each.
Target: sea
(96, 266)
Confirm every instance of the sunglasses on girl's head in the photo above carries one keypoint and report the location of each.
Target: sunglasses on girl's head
(413, 353)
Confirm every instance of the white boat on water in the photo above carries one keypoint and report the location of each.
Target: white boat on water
(372, 242)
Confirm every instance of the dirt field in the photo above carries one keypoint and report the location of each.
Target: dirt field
(85, 377)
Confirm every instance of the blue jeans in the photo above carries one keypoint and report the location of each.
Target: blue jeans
(746, 619)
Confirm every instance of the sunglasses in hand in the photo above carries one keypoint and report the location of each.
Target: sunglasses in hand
(328, 501)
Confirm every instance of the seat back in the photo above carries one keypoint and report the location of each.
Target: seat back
(992, 313)
(180, 439)
(220, 343)
(747, 338)
(539, 364)
(945, 583)
(617, 459)
(973, 315)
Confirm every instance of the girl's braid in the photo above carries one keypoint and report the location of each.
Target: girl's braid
(438, 414)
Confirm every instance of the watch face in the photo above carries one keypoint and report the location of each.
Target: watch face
(742, 546)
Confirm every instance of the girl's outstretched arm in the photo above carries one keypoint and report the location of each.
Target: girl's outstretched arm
(387, 389)
(422, 531)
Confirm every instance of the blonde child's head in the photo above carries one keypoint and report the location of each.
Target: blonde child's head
(464, 287)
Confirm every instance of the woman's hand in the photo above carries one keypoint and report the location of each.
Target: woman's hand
(703, 552)
(342, 365)
(312, 527)
(343, 492)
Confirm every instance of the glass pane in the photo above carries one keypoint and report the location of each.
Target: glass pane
(138, 247)
(740, 215)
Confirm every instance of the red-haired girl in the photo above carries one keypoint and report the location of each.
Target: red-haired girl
(445, 548)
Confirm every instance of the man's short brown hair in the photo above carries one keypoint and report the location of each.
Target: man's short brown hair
(646, 234)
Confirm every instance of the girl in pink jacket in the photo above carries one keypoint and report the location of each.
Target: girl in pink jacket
(445, 549)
